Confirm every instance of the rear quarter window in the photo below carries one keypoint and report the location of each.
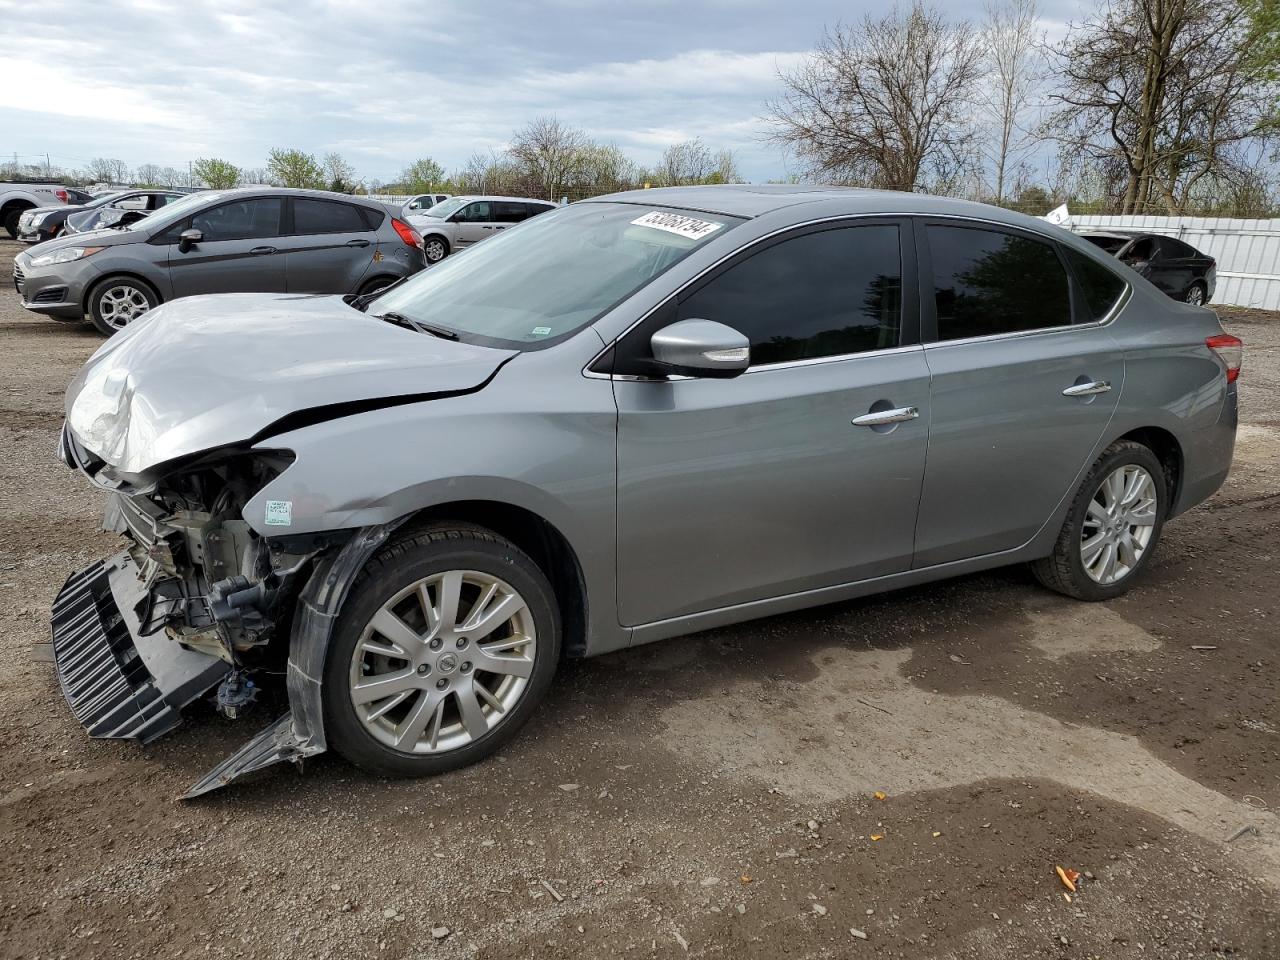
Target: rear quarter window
(1101, 287)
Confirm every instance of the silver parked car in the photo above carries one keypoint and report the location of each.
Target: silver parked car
(219, 241)
(633, 418)
(461, 221)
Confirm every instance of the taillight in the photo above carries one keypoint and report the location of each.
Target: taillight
(407, 233)
(61, 195)
(1231, 350)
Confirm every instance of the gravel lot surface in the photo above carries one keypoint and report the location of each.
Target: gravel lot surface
(896, 777)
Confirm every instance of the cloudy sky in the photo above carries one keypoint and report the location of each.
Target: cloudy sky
(383, 84)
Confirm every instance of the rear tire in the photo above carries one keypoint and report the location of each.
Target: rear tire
(1112, 528)
(116, 302)
(1197, 294)
(400, 631)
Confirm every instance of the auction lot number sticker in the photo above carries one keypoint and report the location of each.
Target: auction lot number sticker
(690, 228)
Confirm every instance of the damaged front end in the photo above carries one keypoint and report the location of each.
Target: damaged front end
(196, 601)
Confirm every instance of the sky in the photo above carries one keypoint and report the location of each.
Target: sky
(384, 84)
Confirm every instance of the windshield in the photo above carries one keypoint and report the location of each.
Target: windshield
(445, 208)
(553, 274)
(173, 212)
(103, 199)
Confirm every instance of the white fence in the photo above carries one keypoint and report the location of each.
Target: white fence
(1247, 251)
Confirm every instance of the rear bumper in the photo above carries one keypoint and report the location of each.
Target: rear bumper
(121, 685)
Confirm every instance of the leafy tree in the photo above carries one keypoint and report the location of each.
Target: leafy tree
(340, 175)
(422, 176)
(216, 174)
(295, 168)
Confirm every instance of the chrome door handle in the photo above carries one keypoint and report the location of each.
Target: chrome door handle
(1087, 389)
(883, 417)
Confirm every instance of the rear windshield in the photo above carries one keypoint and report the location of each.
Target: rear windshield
(555, 273)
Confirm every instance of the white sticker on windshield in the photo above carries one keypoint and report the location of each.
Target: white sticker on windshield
(690, 228)
(541, 331)
(279, 513)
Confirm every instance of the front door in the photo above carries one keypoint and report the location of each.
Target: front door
(238, 250)
(787, 478)
(475, 222)
(1021, 395)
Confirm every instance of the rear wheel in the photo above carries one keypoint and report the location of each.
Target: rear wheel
(1113, 526)
(436, 248)
(445, 648)
(1197, 295)
(116, 302)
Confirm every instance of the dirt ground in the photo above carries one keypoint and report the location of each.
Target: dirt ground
(710, 796)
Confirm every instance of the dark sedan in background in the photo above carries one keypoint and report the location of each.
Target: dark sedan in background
(252, 240)
(45, 223)
(1177, 268)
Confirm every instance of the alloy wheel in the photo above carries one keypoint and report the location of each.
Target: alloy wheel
(443, 662)
(120, 303)
(1195, 296)
(1119, 524)
(434, 250)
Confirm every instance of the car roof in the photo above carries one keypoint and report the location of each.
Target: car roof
(754, 200)
(494, 196)
(1112, 234)
(295, 192)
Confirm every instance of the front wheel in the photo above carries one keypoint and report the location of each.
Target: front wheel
(1113, 526)
(446, 646)
(10, 223)
(116, 302)
(436, 248)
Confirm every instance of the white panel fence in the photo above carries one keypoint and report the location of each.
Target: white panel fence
(1247, 251)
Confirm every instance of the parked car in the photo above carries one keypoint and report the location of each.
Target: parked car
(636, 417)
(423, 201)
(45, 223)
(1177, 268)
(461, 221)
(17, 198)
(247, 240)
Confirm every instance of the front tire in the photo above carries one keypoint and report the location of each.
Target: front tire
(436, 248)
(444, 649)
(116, 302)
(11, 219)
(1112, 528)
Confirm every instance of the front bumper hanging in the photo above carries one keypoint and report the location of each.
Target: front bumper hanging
(121, 685)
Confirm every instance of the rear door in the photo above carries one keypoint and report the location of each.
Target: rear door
(507, 213)
(474, 223)
(1179, 265)
(330, 245)
(1024, 382)
(764, 485)
(239, 250)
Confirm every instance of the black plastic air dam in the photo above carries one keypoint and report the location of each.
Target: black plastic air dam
(120, 685)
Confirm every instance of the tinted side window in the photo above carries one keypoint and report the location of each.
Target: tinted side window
(1100, 286)
(533, 209)
(240, 219)
(477, 212)
(818, 295)
(987, 282)
(509, 212)
(326, 216)
(1176, 249)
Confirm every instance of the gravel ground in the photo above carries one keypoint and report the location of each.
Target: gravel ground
(910, 767)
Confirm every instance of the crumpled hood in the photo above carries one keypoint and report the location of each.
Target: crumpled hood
(203, 372)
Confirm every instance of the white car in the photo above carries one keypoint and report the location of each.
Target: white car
(423, 201)
(461, 221)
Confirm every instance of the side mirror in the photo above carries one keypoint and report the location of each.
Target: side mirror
(188, 239)
(701, 348)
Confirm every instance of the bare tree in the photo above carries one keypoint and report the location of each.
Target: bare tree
(548, 151)
(1009, 40)
(885, 103)
(687, 162)
(1169, 87)
(340, 176)
(104, 170)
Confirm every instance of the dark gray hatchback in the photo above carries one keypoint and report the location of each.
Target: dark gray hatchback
(254, 240)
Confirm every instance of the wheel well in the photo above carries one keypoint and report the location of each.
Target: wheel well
(88, 293)
(547, 547)
(16, 205)
(439, 236)
(389, 277)
(1167, 450)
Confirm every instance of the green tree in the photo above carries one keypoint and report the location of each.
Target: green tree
(294, 168)
(341, 176)
(422, 176)
(216, 174)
